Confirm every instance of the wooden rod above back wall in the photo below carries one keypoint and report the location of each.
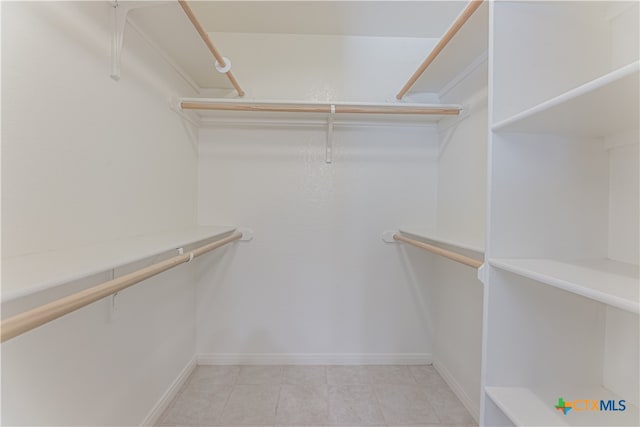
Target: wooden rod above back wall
(205, 38)
(451, 32)
(322, 108)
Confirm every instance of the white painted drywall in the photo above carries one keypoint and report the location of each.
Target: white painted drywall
(623, 199)
(457, 324)
(86, 159)
(621, 354)
(462, 194)
(322, 67)
(317, 280)
(549, 197)
(78, 145)
(532, 66)
(625, 33)
(462, 165)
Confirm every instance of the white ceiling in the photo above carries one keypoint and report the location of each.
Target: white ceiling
(354, 18)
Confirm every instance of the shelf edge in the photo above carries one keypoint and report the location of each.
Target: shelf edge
(577, 289)
(584, 89)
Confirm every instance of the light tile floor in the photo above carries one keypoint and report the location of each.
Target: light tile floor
(315, 396)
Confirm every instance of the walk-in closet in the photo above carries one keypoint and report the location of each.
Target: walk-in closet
(320, 213)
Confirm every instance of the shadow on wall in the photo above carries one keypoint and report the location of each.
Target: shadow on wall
(209, 274)
(418, 267)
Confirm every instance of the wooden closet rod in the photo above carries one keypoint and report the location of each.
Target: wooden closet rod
(205, 38)
(23, 322)
(455, 27)
(321, 108)
(443, 252)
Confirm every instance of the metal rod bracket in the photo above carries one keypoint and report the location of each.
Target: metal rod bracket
(119, 19)
(387, 237)
(329, 153)
(247, 234)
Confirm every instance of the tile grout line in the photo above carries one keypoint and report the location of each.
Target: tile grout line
(435, 412)
(375, 395)
(226, 402)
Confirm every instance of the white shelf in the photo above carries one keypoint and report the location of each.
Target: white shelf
(167, 28)
(610, 282)
(468, 46)
(255, 113)
(425, 235)
(28, 274)
(536, 407)
(604, 106)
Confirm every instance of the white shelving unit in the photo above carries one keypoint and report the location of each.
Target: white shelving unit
(610, 282)
(458, 75)
(32, 273)
(598, 108)
(563, 286)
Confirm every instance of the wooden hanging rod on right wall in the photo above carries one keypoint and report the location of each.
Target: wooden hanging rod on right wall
(451, 32)
(454, 256)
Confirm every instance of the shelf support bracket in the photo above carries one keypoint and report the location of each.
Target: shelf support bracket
(119, 15)
(113, 301)
(483, 274)
(119, 22)
(329, 147)
(191, 125)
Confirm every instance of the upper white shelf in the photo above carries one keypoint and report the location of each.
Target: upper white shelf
(604, 106)
(28, 274)
(223, 110)
(469, 45)
(536, 407)
(166, 26)
(431, 237)
(610, 282)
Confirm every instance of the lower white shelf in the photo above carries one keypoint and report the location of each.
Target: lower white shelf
(31, 273)
(610, 282)
(537, 407)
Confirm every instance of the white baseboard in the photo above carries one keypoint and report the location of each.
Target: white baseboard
(153, 416)
(455, 386)
(314, 359)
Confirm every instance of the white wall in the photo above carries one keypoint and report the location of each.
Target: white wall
(462, 172)
(624, 191)
(457, 323)
(317, 283)
(86, 159)
(462, 195)
(76, 144)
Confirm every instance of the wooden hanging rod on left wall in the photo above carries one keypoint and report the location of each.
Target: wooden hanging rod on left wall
(286, 107)
(38, 316)
(215, 52)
